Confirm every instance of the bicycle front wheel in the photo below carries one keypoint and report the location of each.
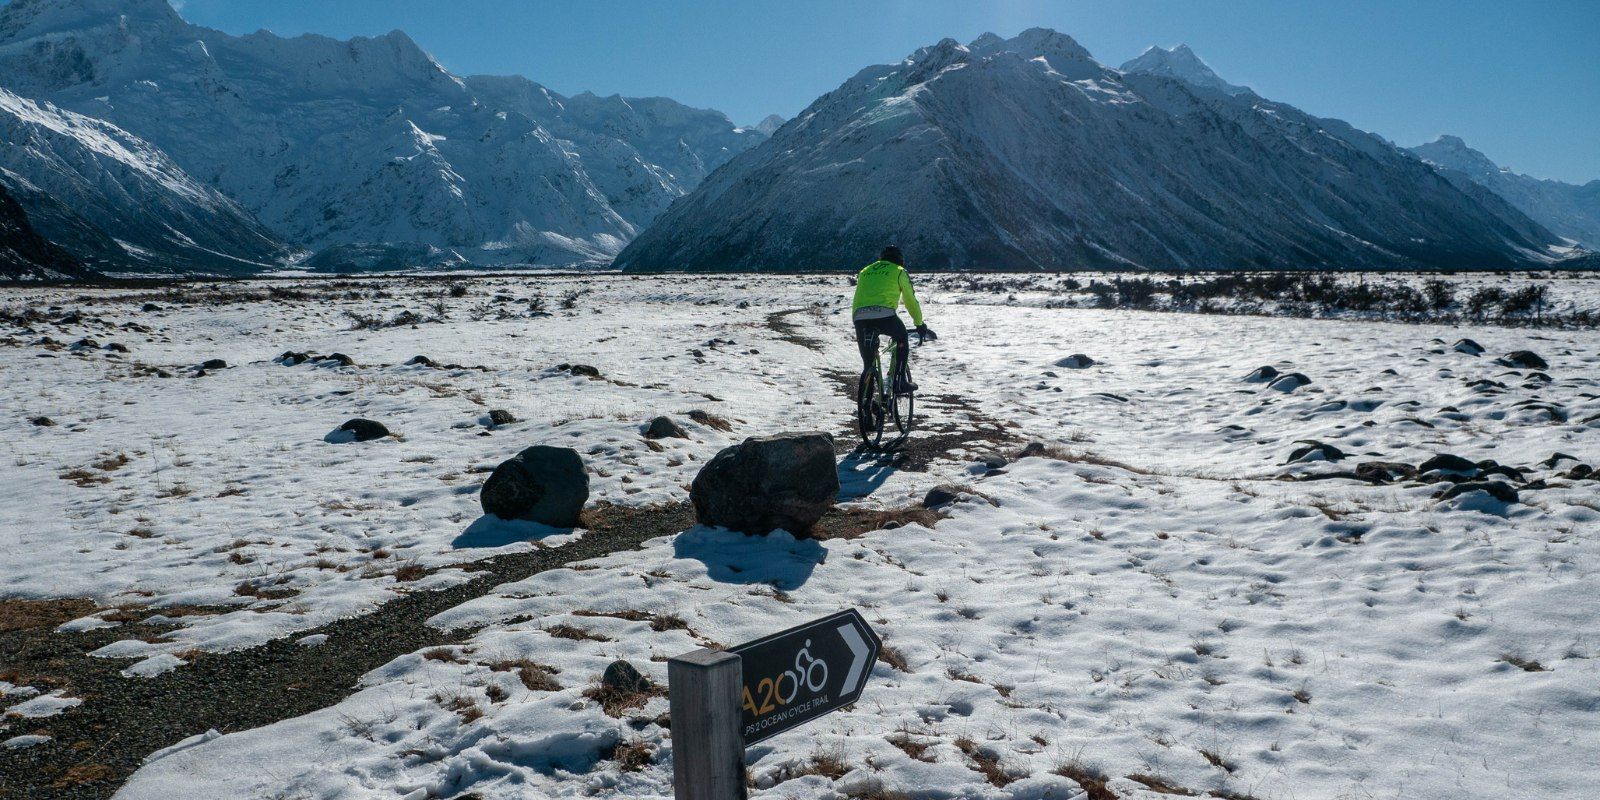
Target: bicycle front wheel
(904, 406)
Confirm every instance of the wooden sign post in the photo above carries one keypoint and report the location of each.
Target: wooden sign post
(723, 701)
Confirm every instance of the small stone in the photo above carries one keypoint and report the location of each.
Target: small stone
(1076, 361)
(1385, 471)
(340, 358)
(1315, 451)
(1447, 462)
(420, 361)
(291, 358)
(42, 422)
(942, 495)
(500, 417)
(1469, 347)
(1523, 359)
(625, 677)
(1499, 491)
(1289, 382)
(214, 363)
(1264, 374)
(664, 428)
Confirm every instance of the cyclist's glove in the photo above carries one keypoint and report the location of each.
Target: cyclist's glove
(925, 333)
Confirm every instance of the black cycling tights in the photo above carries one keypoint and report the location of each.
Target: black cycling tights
(867, 333)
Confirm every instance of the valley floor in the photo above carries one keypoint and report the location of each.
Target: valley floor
(1158, 603)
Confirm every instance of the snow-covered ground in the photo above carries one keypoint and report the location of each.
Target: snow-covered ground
(1151, 603)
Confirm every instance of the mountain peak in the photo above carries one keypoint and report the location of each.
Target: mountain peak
(770, 125)
(1453, 152)
(1181, 63)
(31, 18)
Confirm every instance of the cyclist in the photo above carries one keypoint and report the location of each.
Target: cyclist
(880, 288)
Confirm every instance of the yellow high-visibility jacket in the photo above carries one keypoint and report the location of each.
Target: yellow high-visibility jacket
(884, 284)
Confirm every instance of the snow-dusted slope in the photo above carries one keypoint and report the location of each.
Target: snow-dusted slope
(1181, 63)
(369, 140)
(1027, 153)
(1568, 209)
(24, 254)
(115, 201)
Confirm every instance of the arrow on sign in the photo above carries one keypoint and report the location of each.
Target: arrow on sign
(795, 676)
(859, 653)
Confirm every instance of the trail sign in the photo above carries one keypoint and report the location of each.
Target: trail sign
(793, 677)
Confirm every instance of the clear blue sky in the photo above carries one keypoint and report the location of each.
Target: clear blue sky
(1518, 80)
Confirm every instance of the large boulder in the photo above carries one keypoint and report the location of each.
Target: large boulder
(784, 481)
(548, 485)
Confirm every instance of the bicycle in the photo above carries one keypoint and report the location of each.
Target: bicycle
(877, 404)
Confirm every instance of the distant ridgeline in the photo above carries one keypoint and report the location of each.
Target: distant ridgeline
(137, 142)
(1027, 154)
(154, 145)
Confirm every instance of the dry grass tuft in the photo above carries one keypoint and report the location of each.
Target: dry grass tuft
(21, 615)
(894, 658)
(615, 700)
(1160, 786)
(81, 775)
(537, 677)
(575, 634)
(1524, 664)
(632, 756)
(1092, 780)
(850, 523)
(986, 761)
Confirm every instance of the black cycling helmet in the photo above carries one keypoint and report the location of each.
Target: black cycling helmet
(892, 255)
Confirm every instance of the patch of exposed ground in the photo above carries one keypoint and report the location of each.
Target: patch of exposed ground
(94, 747)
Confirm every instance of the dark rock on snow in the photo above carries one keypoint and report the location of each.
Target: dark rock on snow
(579, 369)
(1499, 491)
(624, 677)
(420, 361)
(1315, 451)
(664, 428)
(1289, 382)
(942, 495)
(544, 484)
(292, 358)
(214, 363)
(1385, 471)
(1262, 375)
(1523, 359)
(1076, 361)
(784, 481)
(500, 417)
(340, 358)
(1447, 462)
(365, 429)
(1469, 347)
(42, 422)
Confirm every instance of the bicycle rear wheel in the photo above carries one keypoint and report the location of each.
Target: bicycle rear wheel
(869, 409)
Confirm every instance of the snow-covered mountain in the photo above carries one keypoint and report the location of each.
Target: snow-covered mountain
(369, 140)
(25, 255)
(1568, 209)
(1181, 63)
(114, 201)
(1028, 154)
(771, 124)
